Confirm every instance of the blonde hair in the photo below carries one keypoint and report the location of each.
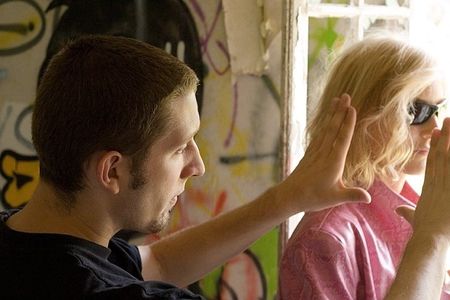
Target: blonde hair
(383, 76)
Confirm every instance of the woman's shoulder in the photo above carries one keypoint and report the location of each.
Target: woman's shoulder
(340, 224)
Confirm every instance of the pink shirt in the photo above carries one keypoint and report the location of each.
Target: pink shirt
(348, 252)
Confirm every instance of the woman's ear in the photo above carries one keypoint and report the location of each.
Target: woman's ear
(109, 171)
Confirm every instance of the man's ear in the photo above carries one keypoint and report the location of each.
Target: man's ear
(110, 170)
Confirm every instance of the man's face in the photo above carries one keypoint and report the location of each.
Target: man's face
(171, 161)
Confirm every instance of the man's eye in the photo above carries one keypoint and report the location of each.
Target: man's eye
(181, 150)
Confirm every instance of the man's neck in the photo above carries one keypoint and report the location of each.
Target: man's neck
(46, 212)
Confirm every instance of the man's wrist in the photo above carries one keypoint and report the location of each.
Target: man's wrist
(429, 241)
(277, 202)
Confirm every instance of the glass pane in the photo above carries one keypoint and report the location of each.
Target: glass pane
(326, 36)
(329, 1)
(399, 26)
(390, 3)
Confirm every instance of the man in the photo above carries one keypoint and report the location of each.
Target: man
(114, 125)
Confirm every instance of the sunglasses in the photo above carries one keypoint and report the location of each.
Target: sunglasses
(422, 111)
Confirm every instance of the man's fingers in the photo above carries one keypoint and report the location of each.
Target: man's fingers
(353, 194)
(407, 212)
(335, 126)
(445, 134)
(344, 137)
(357, 195)
(344, 195)
(431, 162)
(440, 160)
(316, 143)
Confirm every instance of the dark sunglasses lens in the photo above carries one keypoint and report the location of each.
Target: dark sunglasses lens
(423, 112)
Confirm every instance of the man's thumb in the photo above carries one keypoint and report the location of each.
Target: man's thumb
(357, 195)
(406, 212)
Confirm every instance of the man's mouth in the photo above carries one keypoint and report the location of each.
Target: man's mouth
(174, 201)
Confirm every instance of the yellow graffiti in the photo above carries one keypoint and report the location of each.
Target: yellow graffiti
(22, 176)
(22, 25)
(14, 34)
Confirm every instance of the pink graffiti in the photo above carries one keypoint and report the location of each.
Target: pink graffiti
(209, 29)
(193, 207)
(241, 279)
(205, 44)
(234, 116)
(196, 206)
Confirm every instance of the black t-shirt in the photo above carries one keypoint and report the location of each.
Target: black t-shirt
(57, 266)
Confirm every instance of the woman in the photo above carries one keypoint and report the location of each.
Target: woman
(352, 251)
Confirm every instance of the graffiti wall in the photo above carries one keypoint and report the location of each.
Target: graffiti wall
(24, 31)
(240, 113)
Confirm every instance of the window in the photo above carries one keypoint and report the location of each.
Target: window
(316, 28)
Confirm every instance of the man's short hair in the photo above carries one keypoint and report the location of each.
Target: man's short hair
(103, 93)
